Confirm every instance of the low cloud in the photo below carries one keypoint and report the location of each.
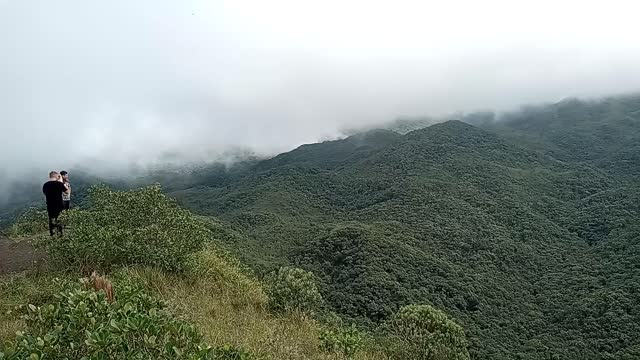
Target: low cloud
(118, 83)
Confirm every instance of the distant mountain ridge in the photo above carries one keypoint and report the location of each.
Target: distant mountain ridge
(504, 225)
(524, 229)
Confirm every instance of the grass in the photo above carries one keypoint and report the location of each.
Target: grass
(215, 293)
(222, 300)
(230, 307)
(21, 289)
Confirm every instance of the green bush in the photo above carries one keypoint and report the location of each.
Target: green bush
(225, 276)
(422, 332)
(82, 324)
(137, 227)
(343, 341)
(293, 289)
(31, 222)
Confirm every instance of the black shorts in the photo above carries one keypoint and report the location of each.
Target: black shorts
(54, 212)
(66, 205)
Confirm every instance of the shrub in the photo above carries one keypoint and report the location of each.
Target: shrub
(81, 323)
(293, 289)
(226, 276)
(343, 341)
(31, 222)
(142, 227)
(423, 333)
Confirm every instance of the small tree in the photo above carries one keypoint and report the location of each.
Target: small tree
(422, 332)
(344, 341)
(293, 289)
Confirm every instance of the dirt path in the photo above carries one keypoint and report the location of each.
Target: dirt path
(18, 255)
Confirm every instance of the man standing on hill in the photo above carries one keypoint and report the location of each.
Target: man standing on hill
(53, 191)
(66, 197)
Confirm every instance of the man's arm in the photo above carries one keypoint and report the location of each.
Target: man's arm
(65, 188)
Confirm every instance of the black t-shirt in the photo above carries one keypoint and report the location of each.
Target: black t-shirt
(53, 192)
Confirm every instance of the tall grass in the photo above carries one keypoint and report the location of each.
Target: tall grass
(228, 306)
(212, 291)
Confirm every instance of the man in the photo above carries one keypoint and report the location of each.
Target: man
(53, 190)
(66, 197)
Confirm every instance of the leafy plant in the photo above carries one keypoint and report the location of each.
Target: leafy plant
(344, 341)
(82, 324)
(293, 289)
(422, 332)
(31, 222)
(140, 226)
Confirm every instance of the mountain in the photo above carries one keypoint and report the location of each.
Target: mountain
(603, 133)
(527, 241)
(521, 227)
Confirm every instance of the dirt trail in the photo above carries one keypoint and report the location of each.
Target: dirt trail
(18, 255)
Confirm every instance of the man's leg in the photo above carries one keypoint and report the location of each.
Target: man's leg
(53, 221)
(59, 227)
(51, 225)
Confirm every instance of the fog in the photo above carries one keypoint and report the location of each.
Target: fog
(111, 83)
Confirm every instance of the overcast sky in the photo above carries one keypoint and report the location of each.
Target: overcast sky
(124, 80)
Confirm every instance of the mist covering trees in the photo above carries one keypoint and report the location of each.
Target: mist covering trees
(523, 230)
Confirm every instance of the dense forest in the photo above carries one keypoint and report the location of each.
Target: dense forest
(523, 227)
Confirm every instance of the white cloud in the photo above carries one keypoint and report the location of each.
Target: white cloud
(127, 81)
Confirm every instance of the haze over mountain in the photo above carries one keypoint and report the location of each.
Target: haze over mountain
(478, 160)
(524, 231)
(125, 82)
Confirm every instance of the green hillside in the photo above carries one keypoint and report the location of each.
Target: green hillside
(603, 133)
(524, 230)
(524, 239)
(169, 291)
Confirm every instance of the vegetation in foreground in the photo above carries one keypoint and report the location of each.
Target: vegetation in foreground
(177, 297)
(523, 230)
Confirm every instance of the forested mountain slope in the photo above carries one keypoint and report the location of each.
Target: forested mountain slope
(603, 133)
(533, 252)
(524, 230)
